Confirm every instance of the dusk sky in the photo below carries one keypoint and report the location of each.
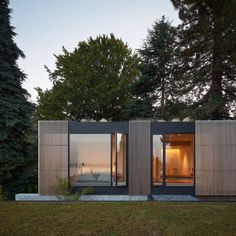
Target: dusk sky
(44, 26)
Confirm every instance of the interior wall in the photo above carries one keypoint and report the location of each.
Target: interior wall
(179, 160)
(52, 154)
(216, 157)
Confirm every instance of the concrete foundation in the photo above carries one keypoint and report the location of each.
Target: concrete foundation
(107, 198)
(38, 197)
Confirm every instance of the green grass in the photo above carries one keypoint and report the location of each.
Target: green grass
(118, 218)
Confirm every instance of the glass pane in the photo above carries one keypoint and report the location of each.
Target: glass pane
(157, 160)
(90, 159)
(121, 159)
(179, 159)
(119, 150)
(113, 159)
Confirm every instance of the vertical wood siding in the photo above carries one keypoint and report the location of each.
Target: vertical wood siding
(216, 157)
(139, 158)
(53, 154)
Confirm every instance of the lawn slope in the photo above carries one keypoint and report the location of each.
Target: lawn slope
(118, 218)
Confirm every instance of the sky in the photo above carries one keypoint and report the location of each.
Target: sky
(44, 26)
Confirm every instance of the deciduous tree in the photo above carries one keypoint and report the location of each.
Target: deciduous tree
(92, 82)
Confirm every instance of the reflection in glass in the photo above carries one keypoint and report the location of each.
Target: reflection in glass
(179, 159)
(121, 159)
(113, 162)
(90, 162)
(157, 160)
(119, 164)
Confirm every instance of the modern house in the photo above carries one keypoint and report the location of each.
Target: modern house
(139, 157)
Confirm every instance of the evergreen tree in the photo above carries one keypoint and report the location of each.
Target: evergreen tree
(153, 90)
(92, 82)
(207, 46)
(15, 109)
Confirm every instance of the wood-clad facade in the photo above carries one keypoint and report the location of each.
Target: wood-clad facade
(213, 159)
(53, 154)
(139, 157)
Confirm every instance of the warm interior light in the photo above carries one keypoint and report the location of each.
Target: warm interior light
(179, 160)
(185, 162)
(172, 153)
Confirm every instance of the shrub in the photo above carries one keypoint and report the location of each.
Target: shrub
(63, 189)
(2, 197)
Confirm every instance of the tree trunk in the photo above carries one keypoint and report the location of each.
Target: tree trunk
(216, 90)
(162, 97)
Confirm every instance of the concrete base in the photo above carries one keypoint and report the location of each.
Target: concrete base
(113, 198)
(174, 198)
(38, 197)
(107, 198)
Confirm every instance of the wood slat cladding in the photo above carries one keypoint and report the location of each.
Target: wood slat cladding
(139, 158)
(53, 133)
(53, 154)
(215, 157)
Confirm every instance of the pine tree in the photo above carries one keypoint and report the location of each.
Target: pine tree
(15, 109)
(153, 90)
(207, 45)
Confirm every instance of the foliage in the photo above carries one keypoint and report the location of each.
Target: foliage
(2, 198)
(207, 45)
(66, 193)
(63, 186)
(154, 88)
(15, 110)
(92, 82)
(87, 190)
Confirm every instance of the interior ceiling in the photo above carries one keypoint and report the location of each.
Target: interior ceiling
(179, 137)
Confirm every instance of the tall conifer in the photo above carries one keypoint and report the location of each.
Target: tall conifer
(153, 89)
(15, 109)
(207, 44)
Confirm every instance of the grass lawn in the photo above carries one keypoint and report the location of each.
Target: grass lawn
(117, 218)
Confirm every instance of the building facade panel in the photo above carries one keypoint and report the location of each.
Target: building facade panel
(53, 155)
(143, 157)
(215, 157)
(139, 158)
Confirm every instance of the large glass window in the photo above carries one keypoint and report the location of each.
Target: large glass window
(157, 160)
(90, 159)
(179, 159)
(98, 159)
(175, 165)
